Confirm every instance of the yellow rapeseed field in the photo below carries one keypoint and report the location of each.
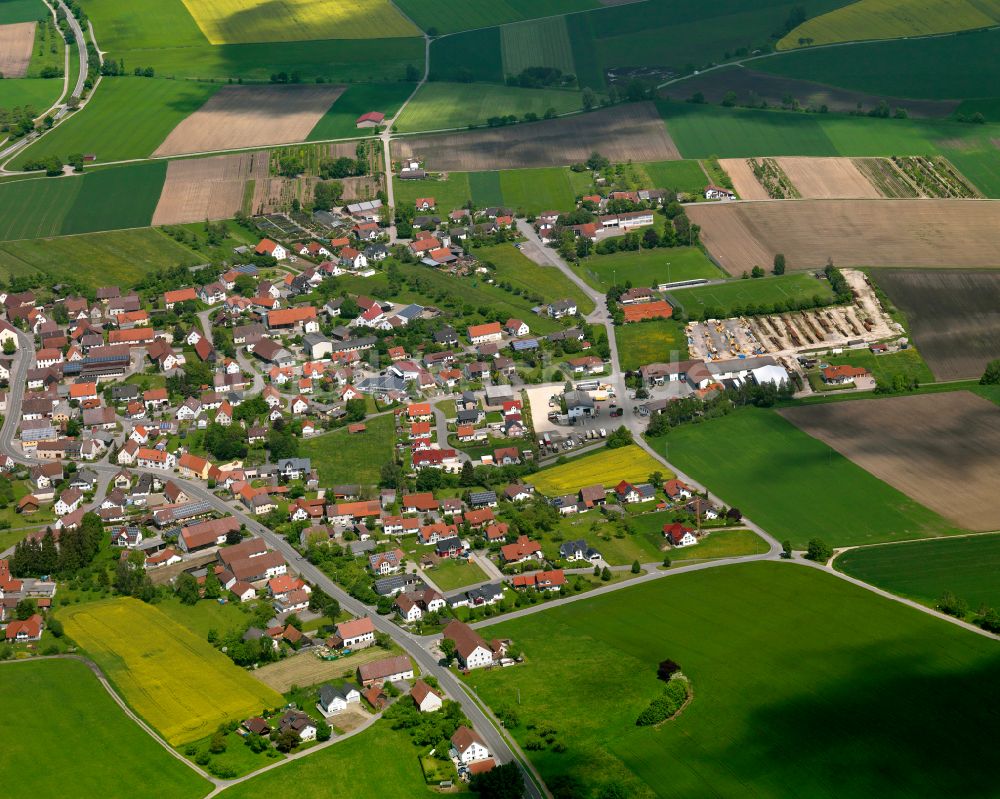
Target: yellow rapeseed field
(893, 19)
(608, 466)
(176, 681)
(244, 21)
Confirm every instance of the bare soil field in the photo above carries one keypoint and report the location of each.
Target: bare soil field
(953, 315)
(828, 179)
(251, 116)
(16, 43)
(208, 188)
(904, 233)
(631, 132)
(307, 669)
(744, 181)
(773, 89)
(943, 450)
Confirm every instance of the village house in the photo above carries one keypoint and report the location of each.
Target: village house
(392, 669)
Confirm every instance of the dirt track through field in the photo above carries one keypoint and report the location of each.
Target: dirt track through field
(622, 133)
(943, 450)
(828, 179)
(915, 233)
(744, 181)
(208, 188)
(16, 43)
(251, 116)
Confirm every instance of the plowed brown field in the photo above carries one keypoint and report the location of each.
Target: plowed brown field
(744, 181)
(16, 43)
(631, 132)
(208, 188)
(251, 116)
(916, 233)
(828, 179)
(943, 450)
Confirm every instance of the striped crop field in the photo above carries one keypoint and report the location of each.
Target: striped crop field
(537, 43)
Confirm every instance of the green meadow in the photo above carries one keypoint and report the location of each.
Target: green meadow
(39, 93)
(650, 342)
(342, 457)
(802, 685)
(520, 272)
(793, 485)
(739, 294)
(647, 268)
(440, 16)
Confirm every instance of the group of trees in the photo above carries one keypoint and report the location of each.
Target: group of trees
(74, 550)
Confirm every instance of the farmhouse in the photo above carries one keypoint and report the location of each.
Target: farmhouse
(425, 698)
(356, 633)
(840, 375)
(386, 670)
(470, 648)
(718, 193)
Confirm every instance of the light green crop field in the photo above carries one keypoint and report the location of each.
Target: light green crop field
(924, 570)
(893, 19)
(37, 207)
(38, 93)
(62, 710)
(654, 341)
(96, 259)
(116, 198)
(339, 121)
(518, 270)
(733, 297)
(333, 772)
(647, 268)
(14, 11)
(537, 43)
(536, 190)
(781, 478)
(128, 118)
(245, 21)
(685, 176)
(143, 25)
(444, 17)
(342, 457)
(485, 188)
(801, 682)
(440, 106)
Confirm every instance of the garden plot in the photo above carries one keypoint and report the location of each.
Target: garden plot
(208, 188)
(16, 43)
(939, 449)
(630, 132)
(251, 116)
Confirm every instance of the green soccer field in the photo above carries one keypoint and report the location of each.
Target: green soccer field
(801, 682)
(793, 485)
(647, 268)
(924, 570)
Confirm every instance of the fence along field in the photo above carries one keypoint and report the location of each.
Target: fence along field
(176, 681)
(251, 116)
(624, 133)
(209, 188)
(952, 314)
(943, 450)
(930, 233)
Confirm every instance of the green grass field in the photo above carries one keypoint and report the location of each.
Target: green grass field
(793, 485)
(722, 544)
(121, 197)
(736, 295)
(333, 772)
(128, 118)
(517, 269)
(528, 190)
(907, 363)
(14, 11)
(801, 682)
(120, 258)
(536, 190)
(171, 677)
(939, 68)
(443, 17)
(451, 574)
(537, 43)
(38, 93)
(924, 570)
(440, 106)
(485, 188)
(647, 267)
(339, 121)
(655, 341)
(685, 176)
(472, 56)
(37, 207)
(342, 457)
(449, 194)
(893, 19)
(62, 710)
(49, 51)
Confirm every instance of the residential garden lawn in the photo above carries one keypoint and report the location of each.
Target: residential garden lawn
(171, 677)
(333, 771)
(606, 466)
(96, 259)
(793, 485)
(924, 570)
(448, 408)
(645, 545)
(207, 614)
(531, 191)
(655, 341)
(440, 106)
(517, 269)
(45, 515)
(722, 544)
(127, 118)
(647, 268)
(445, 18)
(907, 362)
(453, 573)
(64, 711)
(38, 93)
(789, 666)
(936, 68)
(246, 21)
(684, 176)
(237, 759)
(892, 19)
(342, 457)
(339, 121)
(731, 298)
